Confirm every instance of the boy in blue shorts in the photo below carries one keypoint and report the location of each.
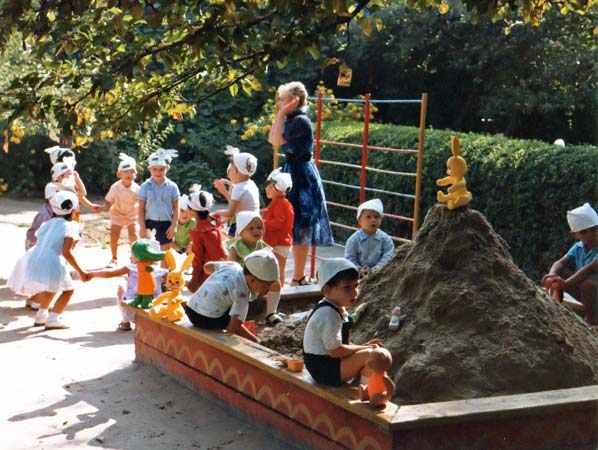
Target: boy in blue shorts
(159, 200)
(328, 353)
(582, 285)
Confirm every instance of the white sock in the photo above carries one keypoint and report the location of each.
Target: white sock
(41, 313)
(272, 299)
(53, 316)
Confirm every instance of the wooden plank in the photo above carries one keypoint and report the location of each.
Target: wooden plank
(307, 291)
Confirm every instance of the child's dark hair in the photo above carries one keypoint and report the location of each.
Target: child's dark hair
(202, 215)
(68, 217)
(343, 275)
(66, 154)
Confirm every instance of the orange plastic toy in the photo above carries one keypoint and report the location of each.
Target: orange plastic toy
(456, 167)
(380, 387)
(169, 305)
(146, 284)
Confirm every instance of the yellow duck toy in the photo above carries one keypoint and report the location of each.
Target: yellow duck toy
(172, 310)
(456, 167)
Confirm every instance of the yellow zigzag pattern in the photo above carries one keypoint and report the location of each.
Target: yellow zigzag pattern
(260, 394)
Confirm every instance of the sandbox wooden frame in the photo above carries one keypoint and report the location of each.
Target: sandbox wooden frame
(251, 379)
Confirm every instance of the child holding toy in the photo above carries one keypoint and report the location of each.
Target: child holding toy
(207, 238)
(250, 230)
(182, 238)
(369, 247)
(121, 202)
(329, 355)
(583, 222)
(46, 271)
(244, 194)
(159, 200)
(223, 299)
(278, 218)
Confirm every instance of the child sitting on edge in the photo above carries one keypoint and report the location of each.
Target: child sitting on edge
(223, 299)
(244, 194)
(328, 353)
(370, 247)
(250, 230)
(159, 200)
(186, 223)
(583, 222)
(121, 202)
(278, 218)
(207, 238)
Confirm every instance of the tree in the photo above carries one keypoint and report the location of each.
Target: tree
(92, 68)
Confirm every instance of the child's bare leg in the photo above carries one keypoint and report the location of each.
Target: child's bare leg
(353, 365)
(588, 295)
(45, 299)
(300, 258)
(132, 230)
(62, 301)
(282, 262)
(114, 237)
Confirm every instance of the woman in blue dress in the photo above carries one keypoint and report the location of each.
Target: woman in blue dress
(292, 131)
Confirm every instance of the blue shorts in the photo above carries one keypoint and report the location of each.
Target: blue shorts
(160, 226)
(323, 369)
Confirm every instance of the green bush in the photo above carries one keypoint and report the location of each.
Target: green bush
(523, 187)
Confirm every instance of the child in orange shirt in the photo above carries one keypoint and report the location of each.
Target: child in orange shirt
(278, 218)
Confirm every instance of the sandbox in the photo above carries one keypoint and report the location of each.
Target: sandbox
(253, 379)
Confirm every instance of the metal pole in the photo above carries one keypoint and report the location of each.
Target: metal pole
(275, 147)
(364, 151)
(312, 262)
(420, 162)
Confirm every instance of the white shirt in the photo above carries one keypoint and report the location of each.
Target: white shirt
(323, 330)
(248, 196)
(226, 288)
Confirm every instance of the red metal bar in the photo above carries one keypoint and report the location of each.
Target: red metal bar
(312, 262)
(364, 152)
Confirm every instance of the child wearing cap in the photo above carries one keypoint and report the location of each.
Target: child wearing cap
(159, 199)
(223, 299)
(328, 353)
(46, 271)
(369, 247)
(207, 238)
(579, 262)
(250, 230)
(244, 194)
(122, 204)
(278, 218)
(182, 238)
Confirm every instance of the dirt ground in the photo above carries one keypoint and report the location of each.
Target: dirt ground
(80, 388)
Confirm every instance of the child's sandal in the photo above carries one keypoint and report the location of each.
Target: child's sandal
(273, 319)
(303, 281)
(124, 326)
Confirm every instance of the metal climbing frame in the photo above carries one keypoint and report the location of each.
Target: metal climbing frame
(364, 168)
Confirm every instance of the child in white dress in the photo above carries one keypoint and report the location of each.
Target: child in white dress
(46, 272)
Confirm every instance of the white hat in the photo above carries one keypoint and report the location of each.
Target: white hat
(582, 218)
(262, 264)
(200, 200)
(282, 181)
(331, 267)
(244, 218)
(162, 157)
(64, 202)
(245, 163)
(559, 142)
(371, 205)
(184, 202)
(56, 152)
(59, 169)
(126, 162)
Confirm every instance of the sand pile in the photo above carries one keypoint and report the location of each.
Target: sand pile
(474, 325)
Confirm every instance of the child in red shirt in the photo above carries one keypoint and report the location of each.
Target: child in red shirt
(207, 238)
(278, 218)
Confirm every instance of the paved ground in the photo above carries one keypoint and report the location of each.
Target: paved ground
(81, 388)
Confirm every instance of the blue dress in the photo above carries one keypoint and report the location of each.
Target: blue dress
(311, 225)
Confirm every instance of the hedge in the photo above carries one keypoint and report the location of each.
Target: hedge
(523, 187)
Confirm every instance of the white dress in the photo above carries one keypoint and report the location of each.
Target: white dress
(46, 267)
(16, 280)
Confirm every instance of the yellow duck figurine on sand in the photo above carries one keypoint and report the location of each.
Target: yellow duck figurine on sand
(173, 309)
(456, 167)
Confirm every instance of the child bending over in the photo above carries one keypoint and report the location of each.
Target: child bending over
(329, 355)
(370, 247)
(581, 257)
(223, 300)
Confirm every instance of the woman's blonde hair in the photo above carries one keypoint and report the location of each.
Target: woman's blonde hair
(295, 88)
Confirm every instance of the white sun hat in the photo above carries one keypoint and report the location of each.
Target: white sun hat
(245, 163)
(372, 205)
(282, 181)
(331, 267)
(263, 265)
(244, 218)
(582, 218)
(64, 202)
(126, 162)
(56, 152)
(184, 202)
(59, 169)
(162, 157)
(200, 200)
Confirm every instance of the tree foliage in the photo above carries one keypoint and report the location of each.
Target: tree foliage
(95, 68)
